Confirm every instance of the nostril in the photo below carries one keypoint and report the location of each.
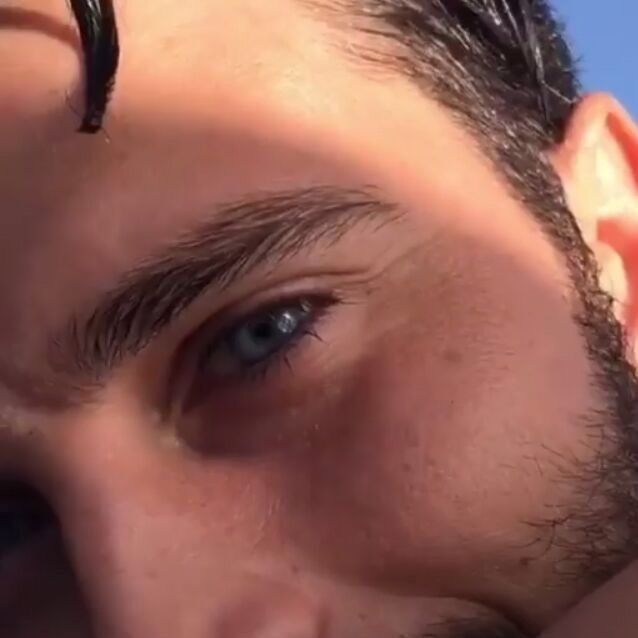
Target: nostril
(276, 613)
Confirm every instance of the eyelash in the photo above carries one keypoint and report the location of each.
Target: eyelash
(258, 372)
(321, 305)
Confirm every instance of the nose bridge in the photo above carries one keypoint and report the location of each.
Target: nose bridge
(134, 556)
(163, 546)
(123, 507)
(154, 575)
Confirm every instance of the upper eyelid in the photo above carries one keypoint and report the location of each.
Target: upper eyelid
(214, 327)
(187, 365)
(257, 300)
(220, 327)
(315, 315)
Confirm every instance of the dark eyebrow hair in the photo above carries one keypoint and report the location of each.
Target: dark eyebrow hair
(262, 230)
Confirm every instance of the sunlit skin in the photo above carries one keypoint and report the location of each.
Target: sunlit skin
(389, 473)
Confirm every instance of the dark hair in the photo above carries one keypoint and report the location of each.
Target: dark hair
(100, 44)
(503, 68)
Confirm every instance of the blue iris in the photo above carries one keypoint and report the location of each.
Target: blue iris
(263, 335)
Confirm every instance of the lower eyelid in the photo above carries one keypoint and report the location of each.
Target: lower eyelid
(185, 388)
(258, 371)
(287, 360)
(320, 305)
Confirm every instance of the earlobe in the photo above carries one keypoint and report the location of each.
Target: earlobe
(598, 164)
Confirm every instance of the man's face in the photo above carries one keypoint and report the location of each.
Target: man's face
(279, 348)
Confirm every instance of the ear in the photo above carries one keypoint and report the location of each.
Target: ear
(598, 164)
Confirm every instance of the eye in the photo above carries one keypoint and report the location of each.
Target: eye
(255, 341)
(23, 516)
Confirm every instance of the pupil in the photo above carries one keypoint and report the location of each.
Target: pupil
(264, 331)
(264, 335)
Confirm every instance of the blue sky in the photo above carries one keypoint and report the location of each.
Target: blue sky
(605, 35)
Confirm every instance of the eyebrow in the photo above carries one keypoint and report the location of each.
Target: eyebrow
(241, 236)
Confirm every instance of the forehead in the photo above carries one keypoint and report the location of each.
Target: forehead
(223, 98)
(246, 46)
(224, 87)
(245, 67)
(213, 101)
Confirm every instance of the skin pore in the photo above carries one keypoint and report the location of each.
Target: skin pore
(432, 447)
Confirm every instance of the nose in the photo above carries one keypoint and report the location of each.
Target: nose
(158, 551)
(263, 609)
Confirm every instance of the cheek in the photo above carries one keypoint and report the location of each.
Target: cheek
(445, 439)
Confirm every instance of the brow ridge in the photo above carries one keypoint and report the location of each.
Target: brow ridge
(264, 229)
